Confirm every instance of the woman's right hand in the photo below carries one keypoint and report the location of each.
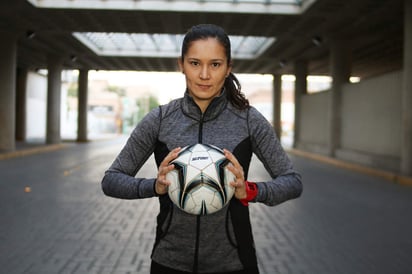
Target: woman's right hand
(162, 184)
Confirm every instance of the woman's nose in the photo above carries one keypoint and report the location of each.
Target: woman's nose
(204, 73)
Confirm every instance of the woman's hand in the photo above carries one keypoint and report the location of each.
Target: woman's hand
(162, 184)
(237, 170)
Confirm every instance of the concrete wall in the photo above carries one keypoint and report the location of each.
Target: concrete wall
(371, 122)
(314, 133)
(36, 106)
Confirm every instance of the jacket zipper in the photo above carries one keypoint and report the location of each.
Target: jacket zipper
(196, 256)
(200, 137)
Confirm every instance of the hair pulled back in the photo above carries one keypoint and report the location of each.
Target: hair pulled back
(232, 84)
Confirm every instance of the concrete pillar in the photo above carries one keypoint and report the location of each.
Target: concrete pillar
(301, 72)
(8, 57)
(340, 64)
(406, 142)
(54, 83)
(277, 104)
(82, 110)
(21, 103)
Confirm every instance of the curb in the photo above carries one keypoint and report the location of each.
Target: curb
(31, 151)
(387, 175)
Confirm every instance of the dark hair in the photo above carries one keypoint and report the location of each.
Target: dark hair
(232, 84)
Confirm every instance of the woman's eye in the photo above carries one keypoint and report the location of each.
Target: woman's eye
(215, 65)
(194, 63)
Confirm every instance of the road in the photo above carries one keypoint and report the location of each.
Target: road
(55, 219)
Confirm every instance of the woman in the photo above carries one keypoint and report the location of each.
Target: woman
(212, 111)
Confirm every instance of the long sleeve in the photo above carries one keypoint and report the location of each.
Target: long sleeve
(286, 182)
(119, 180)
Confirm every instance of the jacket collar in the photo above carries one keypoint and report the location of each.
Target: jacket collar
(216, 106)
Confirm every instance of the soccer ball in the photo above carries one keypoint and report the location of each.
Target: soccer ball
(200, 180)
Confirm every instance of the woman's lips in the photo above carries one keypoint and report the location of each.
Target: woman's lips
(204, 86)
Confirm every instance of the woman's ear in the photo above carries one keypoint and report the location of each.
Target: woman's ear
(180, 63)
(229, 69)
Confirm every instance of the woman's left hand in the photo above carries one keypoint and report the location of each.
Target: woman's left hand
(162, 184)
(237, 170)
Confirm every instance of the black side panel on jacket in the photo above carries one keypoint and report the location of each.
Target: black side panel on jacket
(166, 206)
(240, 213)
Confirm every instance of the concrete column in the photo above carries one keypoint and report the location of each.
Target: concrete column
(301, 72)
(82, 110)
(54, 83)
(340, 63)
(277, 104)
(21, 103)
(406, 142)
(8, 57)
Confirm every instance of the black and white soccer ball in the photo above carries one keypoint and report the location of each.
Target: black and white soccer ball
(200, 181)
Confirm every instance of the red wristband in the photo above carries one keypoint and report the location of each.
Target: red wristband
(251, 193)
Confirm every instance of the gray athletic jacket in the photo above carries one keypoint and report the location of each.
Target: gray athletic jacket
(222, 241)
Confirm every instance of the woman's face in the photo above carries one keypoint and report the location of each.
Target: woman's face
(205, 67)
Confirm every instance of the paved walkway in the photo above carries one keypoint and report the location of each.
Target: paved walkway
(55, 219)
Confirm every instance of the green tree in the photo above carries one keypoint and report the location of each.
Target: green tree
(118, 90)
(72, 91)
(145, 105)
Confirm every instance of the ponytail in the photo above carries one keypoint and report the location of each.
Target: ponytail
(234, 93)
